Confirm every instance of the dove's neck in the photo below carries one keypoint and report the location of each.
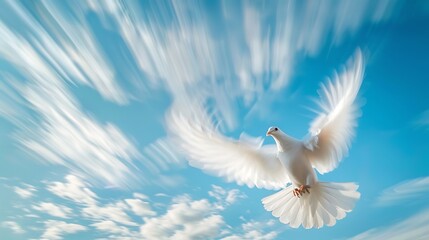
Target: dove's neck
(284, 142)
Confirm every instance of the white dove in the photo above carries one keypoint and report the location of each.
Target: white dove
(305, 201)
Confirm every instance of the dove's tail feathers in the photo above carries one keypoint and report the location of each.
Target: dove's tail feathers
(324, 205)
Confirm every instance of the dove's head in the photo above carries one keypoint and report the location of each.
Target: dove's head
(272, 131)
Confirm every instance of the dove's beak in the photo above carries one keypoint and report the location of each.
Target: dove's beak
(268, 133)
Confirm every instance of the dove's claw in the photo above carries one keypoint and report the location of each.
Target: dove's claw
(304, 189)
(298, 192)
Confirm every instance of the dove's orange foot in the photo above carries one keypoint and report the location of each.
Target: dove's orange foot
(298, 192)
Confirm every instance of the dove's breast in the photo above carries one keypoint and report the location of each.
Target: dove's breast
(298, 168)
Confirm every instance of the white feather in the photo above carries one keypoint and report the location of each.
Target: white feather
(244, 161)
(331, 132)
(326, 203)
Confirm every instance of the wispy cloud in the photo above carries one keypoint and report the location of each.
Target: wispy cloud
(225, 197)
(57, 229)
(74, 189)
(62, 36)
(52, 209)
(14, 226)
(115, 211)
(415, 189)
(169, 39)
(114, 230)
(185, 219)
(161, 155)
(26, 192)
(140, 207)
(414, 227)
(255, 230)
(423, 120)
(62, 133)
(174, 46)
(137, 216)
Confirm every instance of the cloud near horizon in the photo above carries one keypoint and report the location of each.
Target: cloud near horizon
(132, 217)
(413, 226)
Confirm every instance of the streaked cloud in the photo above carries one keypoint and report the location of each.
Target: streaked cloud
(175, 47)
(74, 189)
(115, 211)
(169, 39)
(55, 127)
(136, 216)
(140, 208)
(225, 197)
(14, 226)
(413, 227)
(423, 120)
(52, 209)
(411, 190)
(26, 192)
(117, 231)
(57, 229)
(161, 155)
(63, 38)
(255, 230)
(140, 196)
(184, 220)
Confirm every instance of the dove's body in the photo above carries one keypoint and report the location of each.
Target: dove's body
(291, 154)
(298, 167)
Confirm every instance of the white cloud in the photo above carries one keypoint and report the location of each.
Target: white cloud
(111, 211)
(59, 131)
(56, 229)
(74, 189)
(161, 155)
(135, 218)
(113, 228)
(70, 47)
(55, 210)
(253, 235)
(140, 196)
(423, 119)
(167, 48)
(225, 197)
(79, 192)
(254, 230)
(414, 189)
(14, 226)
(206, 228)
(26, 192)
(140, 208)
(414, 227)
(184, 220)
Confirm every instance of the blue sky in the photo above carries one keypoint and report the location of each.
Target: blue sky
(85, 87)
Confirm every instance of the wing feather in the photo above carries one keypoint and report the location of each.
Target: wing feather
(246, 162)
(331, 132)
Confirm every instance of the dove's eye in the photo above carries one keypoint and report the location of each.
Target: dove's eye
(275, 129)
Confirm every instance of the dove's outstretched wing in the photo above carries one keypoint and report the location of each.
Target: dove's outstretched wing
(331, 132)
(243, 161)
